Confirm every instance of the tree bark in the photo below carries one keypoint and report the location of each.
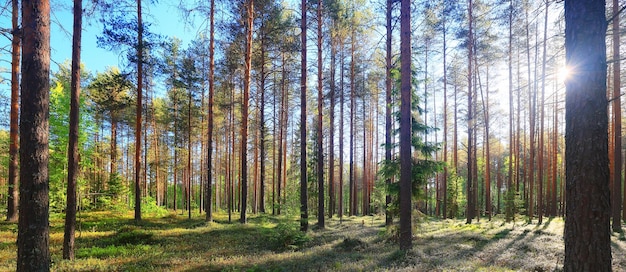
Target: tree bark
(617, 124)
(12, 201)
(331, 128)
(351, 150)
(33, 253)
(209, 187)
(512, 142)
(406, 236)
(587, 228)
(541, 167)
(470, 121)
(320, 109)
(304, 214)
(138, 113)
(340, 209)
(72, 153)
(388, 90)
(244, 112)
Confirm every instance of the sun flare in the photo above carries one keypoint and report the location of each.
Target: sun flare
(563, 73)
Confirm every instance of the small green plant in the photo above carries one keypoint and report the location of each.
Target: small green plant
(287, 236)
(352, 244)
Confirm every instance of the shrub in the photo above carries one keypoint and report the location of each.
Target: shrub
(286, 236)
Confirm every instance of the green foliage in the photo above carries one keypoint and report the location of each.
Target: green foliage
(59, 131)
(150, 207)
(112, 251)
(456, 195)
(514, 204)
(110, 94)
(423, 167)
(286, 236)
(111, 198)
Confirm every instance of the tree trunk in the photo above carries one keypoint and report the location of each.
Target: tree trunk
(255, 175)
(331, 128)
(351, 150)
(485, 101)
(340, 209)
(541, 167)
(406, 236)
(388, 86)
(555, 150)
(320, 108)
(470, 122)
(33, 253)
(512, 155)
(244, 112)
(138, 112)
(617, 123)
(281, 135)
(72, 153)
(261, 141)
(189, 152)
(587, 228)
(208, 187)
(304, 213)
(444, 185)
(175, 154)
(12, 201)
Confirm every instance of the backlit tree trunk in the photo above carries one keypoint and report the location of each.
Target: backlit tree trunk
(540, 175)
(617, 124)
(587, 228)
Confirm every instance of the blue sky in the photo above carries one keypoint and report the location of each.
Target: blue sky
(163, 16)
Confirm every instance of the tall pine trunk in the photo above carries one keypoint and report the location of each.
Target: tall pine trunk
(12, 201)
(470, 122)
(388, 215)
(588, 210)
(617, 123)
(331, 128)
(406, 236)
(244, 112)
(208, 187)
(320, 108)
(304, 213)
(33, 253)
(72, 153)
(541, 167)
(351, 150)
(138, 113)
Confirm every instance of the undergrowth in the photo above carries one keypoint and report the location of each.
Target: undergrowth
(112, 241)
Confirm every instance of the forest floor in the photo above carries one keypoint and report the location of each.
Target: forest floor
(110, 241)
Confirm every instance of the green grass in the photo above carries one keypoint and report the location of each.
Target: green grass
(110, 241)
